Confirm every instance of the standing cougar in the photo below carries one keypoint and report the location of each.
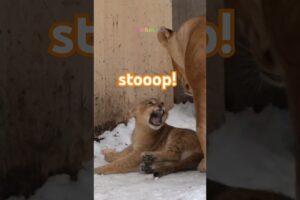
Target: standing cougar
(156, 148)
(187, 49)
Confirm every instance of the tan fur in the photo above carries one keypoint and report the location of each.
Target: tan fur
(160, 151)
(187, 50)
(273, 26)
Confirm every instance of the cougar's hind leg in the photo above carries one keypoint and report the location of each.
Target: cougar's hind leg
(171, 154)
(164, 156)
(164, 168)
(200, 107)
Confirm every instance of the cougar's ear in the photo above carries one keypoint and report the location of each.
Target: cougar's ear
(164, 35)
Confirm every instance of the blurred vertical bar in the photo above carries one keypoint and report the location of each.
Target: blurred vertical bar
(215, 76)
(46, 102)
(236, 84)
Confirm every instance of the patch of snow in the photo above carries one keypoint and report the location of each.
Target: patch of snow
(254, 151)
(60, 187)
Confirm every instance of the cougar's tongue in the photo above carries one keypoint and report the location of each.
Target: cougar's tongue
(155, 120)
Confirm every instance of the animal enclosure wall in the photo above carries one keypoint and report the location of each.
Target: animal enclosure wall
(120, 49)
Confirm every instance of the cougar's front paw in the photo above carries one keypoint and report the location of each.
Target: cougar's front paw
(146, 168)
(99, 171)
(147, 157)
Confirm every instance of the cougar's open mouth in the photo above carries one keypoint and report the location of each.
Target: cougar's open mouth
(156, 117)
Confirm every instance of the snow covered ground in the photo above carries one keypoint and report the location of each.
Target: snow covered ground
(250, 150)
(254, 151)
(259, 145)
(60, 187)
(135, 186)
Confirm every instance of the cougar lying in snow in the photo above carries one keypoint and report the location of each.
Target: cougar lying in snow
(156, 148)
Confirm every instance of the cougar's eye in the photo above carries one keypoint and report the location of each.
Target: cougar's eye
(150, 103)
